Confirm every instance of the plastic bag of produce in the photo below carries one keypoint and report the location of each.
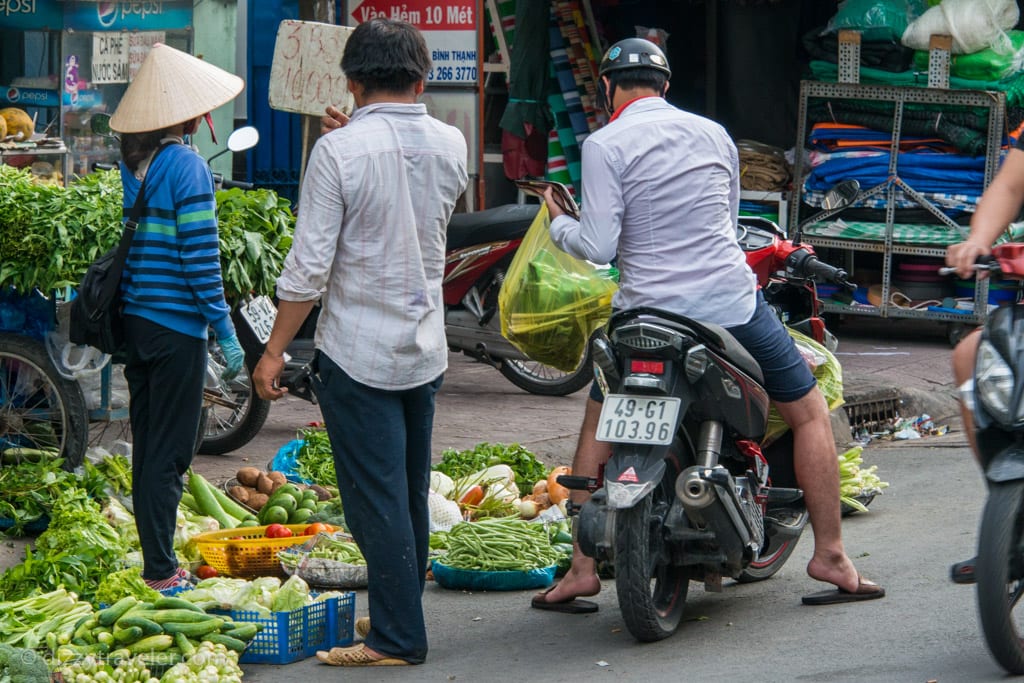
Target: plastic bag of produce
(877, 20)
(326, 561)
(551, 302)
(826, 370)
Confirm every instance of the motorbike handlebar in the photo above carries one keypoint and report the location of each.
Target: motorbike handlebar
(805, 264)
(228, 184)
(101, 166)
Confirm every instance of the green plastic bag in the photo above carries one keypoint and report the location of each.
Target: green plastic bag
(877, 20)
(550, 302)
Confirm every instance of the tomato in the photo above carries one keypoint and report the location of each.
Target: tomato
(317, 528)
(278, 531)
(205, 571)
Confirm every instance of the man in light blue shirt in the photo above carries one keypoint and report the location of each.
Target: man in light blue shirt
(661, 194)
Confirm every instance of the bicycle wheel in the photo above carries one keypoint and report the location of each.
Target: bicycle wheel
(38, 408)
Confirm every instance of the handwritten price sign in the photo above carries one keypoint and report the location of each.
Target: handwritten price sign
(305, 74)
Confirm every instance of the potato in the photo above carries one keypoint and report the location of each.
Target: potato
(240, 493)
(248, 476)
(264, 484)
(257, 500)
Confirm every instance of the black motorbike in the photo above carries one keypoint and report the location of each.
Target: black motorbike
(686, 494)
(996, 403)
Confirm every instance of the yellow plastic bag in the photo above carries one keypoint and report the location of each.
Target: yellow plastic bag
(825, 368)
(551, 302)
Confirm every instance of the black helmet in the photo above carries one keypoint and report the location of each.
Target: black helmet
(633, 53)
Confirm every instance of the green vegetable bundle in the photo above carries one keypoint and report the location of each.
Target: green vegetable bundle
(458, 464)
(50, 234)
(77, 550)
(500, 544)
(315, 460)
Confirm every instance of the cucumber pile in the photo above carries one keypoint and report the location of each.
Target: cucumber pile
(164, 632)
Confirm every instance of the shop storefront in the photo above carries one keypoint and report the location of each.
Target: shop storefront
(63, 61)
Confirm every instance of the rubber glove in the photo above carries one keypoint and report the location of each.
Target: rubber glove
(234, 356)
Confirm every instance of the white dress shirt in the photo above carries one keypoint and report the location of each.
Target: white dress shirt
(370, 235)
(661, 192)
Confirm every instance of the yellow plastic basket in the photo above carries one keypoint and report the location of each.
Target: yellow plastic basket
(246, 553)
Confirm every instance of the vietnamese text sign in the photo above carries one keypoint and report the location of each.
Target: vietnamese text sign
(448, 26)
(139, 45)
(109, 57)
(305, 74)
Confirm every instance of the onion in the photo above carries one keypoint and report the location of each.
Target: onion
(528, 509)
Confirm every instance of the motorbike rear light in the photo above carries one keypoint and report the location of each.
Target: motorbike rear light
(649, 367)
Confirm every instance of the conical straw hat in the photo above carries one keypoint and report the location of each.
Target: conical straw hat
(171, 87)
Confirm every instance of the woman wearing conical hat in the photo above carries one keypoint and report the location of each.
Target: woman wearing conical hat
(171, 288)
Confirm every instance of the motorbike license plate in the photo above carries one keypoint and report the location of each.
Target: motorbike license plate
(638, 419)
(260, 314)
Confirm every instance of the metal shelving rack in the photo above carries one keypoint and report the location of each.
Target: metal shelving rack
(995, 102)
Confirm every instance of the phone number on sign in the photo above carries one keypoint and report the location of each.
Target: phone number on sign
(453, 74)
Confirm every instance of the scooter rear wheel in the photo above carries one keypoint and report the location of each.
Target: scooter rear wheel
(544, 380)
(652, 591)
(1000, 573)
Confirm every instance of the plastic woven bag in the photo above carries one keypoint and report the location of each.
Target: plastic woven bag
(551, 302)
(826, 370)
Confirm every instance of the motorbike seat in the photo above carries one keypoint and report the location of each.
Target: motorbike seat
(506, 222)
(719, 339)
(715, 337)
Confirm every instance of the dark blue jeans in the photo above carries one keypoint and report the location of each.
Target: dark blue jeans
(381, 445)
(166, 371)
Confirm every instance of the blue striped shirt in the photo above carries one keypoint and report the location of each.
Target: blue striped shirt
(172, 276)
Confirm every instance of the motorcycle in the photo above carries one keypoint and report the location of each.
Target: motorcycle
(995, 402)
(686, 494)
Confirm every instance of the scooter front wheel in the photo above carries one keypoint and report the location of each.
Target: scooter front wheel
(235, 414)
(545, 380)
(652, 591)
(1000, 573)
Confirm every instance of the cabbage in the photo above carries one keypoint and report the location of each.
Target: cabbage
(294, 594)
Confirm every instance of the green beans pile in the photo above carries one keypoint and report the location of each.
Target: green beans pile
(499, 544)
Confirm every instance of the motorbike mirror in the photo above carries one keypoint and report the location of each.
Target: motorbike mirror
(243, 138)
(99, 124)
(840, 195)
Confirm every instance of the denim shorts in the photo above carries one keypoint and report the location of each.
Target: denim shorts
(786, 374)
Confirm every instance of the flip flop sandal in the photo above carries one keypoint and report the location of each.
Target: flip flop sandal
(356, 656)
(866, 590)
(963, 572)
(571, 606)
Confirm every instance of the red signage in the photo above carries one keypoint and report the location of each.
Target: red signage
(426, 15)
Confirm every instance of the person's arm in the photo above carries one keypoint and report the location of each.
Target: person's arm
(307, 268)
(998, 207)
(595, 236)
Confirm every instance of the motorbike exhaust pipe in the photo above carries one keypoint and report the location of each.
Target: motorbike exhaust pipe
(693, 490)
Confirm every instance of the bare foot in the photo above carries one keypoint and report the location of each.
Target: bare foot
(834, 568)
(576, 583)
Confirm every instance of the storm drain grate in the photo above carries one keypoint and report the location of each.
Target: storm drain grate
(873, 414)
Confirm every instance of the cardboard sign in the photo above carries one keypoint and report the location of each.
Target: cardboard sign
(305, 75)
(110, 57)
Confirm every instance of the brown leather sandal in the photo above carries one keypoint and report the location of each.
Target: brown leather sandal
(356, 656)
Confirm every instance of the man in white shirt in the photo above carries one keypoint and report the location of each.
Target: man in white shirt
(375, 203)
(661, 194)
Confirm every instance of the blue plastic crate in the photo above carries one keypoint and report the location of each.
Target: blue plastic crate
(290, 636)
